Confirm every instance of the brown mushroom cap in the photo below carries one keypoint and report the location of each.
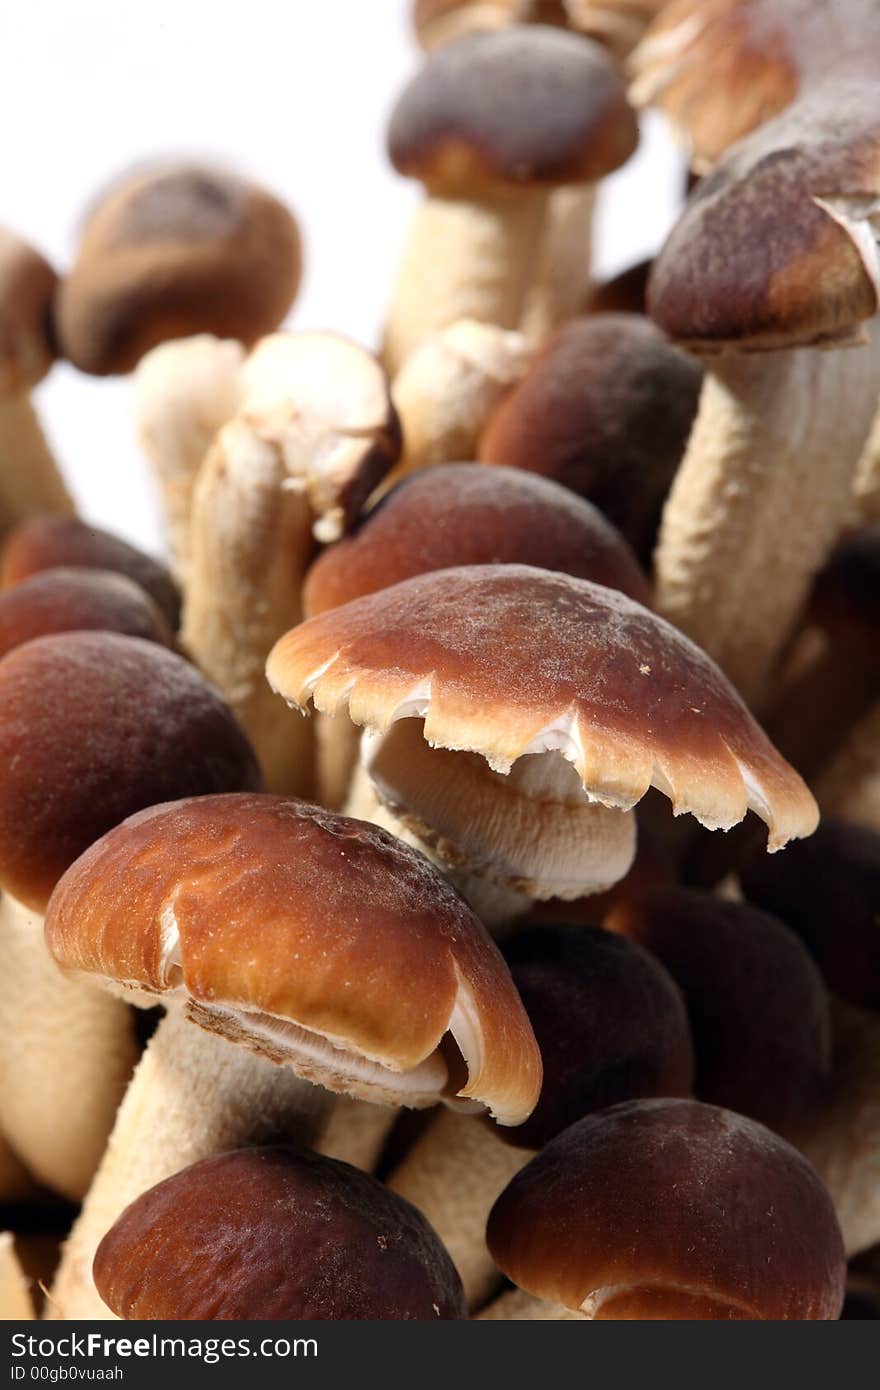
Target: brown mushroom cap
(758, 1008)
(672, 1209)
(624, 293)
(828, 892)
(605, 409)
(318, 940)
(774, 248)
(506, 660)
(461, 514)
(268, 1234)
(46, 542)
(609, 1021)
(77, 600)
(527, 106)
(94, 726)
(173, 251)
(27, 285)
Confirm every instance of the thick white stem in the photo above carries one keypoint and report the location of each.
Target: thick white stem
(193, 1095)
(453, 1174)
(867, 484)
(356, 1132)
(464, 259)
(16, 1304)
(518, 1306)
(562, 274)
(849, 787)
(761, 496)
(67, 1050)
(337, 741)
(30, 482)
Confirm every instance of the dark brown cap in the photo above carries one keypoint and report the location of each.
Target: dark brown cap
(829, 893)
(320, 941)
(94, 726)
(171, 251)
(757, 1005)
(78, 600)
(670, 1209)
(505, 660)
(605, 409)
(529, 105)
(45, 542)
(775, 247)
(622, 294)
(609, 1021)
(268, 1233)
(27, 285)
(461, 514)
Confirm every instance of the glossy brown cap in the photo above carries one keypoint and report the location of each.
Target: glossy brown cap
(320, 941)
(505, 660)
(775, 248)
(609, 1021)
(78, 600)
(46, 542)
(27, 285)
(670, 1209)
(527, 106)
(829, 893)
(172, 251)
(758, 1007)
(461, 514)
(94, 726)
(267, 1234)
(605, 409)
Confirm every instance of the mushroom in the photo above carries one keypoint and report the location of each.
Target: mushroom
(270, 1233)
(78, 600)
(624, 293)
(316, 430)
(93, 726)
(16, 1303)
(489, 689)
(774, 258)
(47, 542)
(611, 1027)
(491, 125)
(316, 942)
(849, 786)
(605, 409)
(671, 1209)
(29, 478)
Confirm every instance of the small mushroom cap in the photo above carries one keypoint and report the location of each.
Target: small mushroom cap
(27, 285)
(776, 248)
(267, 1234)
(605, 409)
(672, 1209)
(94, 726)
(461, 514)
(506, 660)
(758, 1008)
(320, 941)
(46, 542)
(172, 251)
(77, 600)
(828, 892)
(527, 106)
(609, 1021)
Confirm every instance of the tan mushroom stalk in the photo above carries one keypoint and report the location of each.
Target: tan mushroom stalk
(487, 689)
(867, 484)
(611, 1027)
(764, 488)
(316, 942)
(314, 434)
(491, 125)
(16, 1303)
(93, 725)
(29, 478)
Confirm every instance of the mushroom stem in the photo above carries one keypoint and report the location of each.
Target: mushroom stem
(67, 1050)
(867, 485)
(826, 688)
(761, 496)
(464, 258)
(356, 1131)
(453, 1174)
(849, 786)
(30, 482)
(518, 1306)
(193, 1095)
(251, 542)
(16, 1304)
(562, 275)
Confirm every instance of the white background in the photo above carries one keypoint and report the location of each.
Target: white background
(295, 93)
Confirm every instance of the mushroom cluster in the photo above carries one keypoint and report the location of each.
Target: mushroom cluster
(451, 1001)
